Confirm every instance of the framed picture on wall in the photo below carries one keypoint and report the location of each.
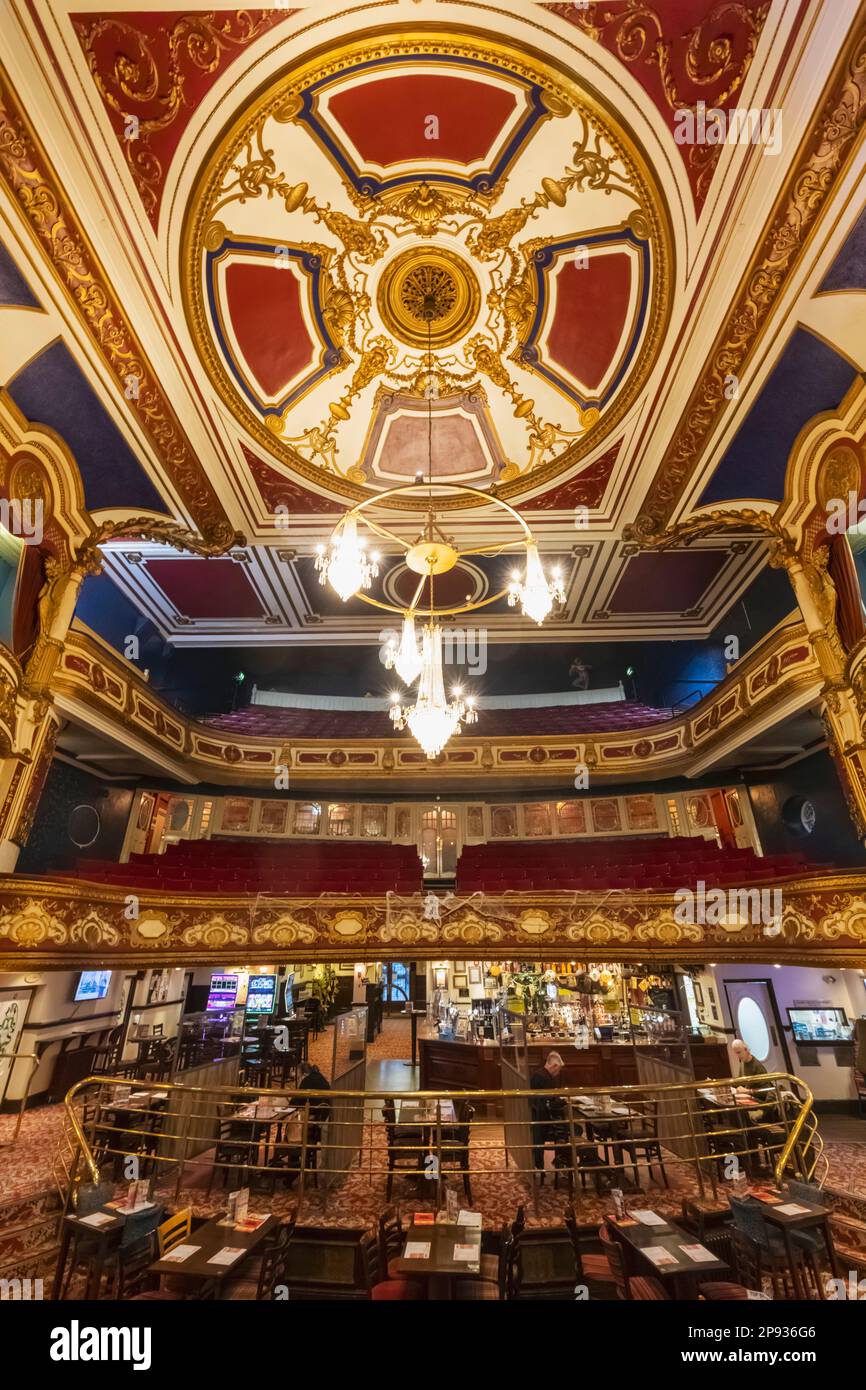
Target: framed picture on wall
(440, 977)
(14, 1004)
(157, 989)
(475, 974)
(460, 981)
(699, 995)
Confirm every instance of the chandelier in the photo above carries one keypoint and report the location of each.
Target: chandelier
(350, 567)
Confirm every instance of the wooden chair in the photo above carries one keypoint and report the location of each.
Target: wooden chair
(380, 1286)
(406, 1147)
(231, 1154)
(542, 1264)
(455, 1146)
(174, 1231)
(590, 1268)
(641, 1141)
(261, 1275)
(632, 1287)
(769, 1249)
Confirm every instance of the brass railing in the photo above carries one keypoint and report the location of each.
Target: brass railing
(280, 1139)
(16, 1057)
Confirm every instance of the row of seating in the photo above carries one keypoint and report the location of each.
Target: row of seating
(631, 864)
(268, 721)
(244, 867)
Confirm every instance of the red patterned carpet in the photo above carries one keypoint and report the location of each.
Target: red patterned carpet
(26, 1167)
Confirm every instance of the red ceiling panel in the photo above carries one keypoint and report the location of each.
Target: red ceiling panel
(669, 583)
(199, 588)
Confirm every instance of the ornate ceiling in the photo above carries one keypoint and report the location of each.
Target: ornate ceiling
(221, 229)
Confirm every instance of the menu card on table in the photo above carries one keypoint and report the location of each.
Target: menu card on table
(181, 1253)
(423, 1218)
(649, 1218)
(96, 1218)
(793, 1209)
(699, 1253)
(469, 1218)
(659, 1255)
(417, 1250)
(227, 1255)
(469, 1253)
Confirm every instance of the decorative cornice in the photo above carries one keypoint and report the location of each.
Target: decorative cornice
(32, 183)
(779, 669)
(55, 923)
(820, 163)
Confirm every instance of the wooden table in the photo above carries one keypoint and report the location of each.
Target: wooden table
(670, 1237)
(260, 1118)
(814, 1215)
(105, 1236)
(209, 1239)
(606, 1123)
(440, 1268)
(423, 1112)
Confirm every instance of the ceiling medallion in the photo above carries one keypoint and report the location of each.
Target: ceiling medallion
(428, 285)
(306, 283)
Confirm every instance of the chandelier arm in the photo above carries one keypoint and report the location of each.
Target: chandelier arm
(491, 550)
(437, 612)
(383, 531)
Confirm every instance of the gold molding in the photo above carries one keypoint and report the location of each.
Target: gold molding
(279, 99)
(35, 188)
(823, 156)
(780, 667)
(61, 923)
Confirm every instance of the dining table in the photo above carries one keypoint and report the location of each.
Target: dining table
(788, 1213)
(440, 1252)
(424, 1112)
(607, 1126)
(666, 1251)
(196, 1258)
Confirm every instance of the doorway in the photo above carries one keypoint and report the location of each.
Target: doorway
(755, 1017)
(439, 843)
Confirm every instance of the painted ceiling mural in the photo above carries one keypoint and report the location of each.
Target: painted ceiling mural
(332, 245)
(404, 173)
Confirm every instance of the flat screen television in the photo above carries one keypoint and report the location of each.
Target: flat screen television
(91, 984)
(222, 993)
(288, 992)
(262, 994)
(819, 1025)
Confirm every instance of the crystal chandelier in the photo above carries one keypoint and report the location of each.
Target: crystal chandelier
(347, 567)
(433, 719)
(405, 659)
(345, 564)
(535, 593)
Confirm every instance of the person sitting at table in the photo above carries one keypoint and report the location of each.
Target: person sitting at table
(313, 1080)
(548, 1112)
(749, 1064)
(763, 1120)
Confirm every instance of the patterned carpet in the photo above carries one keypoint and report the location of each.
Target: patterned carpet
(26, 1167)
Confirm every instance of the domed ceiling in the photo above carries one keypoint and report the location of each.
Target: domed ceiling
(417, 216)
(259, 262)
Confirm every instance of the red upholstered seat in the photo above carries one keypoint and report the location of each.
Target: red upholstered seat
(396, 1291)
(720, 1291)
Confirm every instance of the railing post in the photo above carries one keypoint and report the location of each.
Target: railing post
(575, 1188)
(696, 1147)
(303, 1159)
(440, 1183)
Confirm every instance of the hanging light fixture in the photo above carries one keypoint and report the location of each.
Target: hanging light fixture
(345, 564)
(347, 567)
(433, 718)
(405, 659)
(534, 592)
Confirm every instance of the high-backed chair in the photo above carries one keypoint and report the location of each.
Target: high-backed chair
(406, 1146)
(633, 1286)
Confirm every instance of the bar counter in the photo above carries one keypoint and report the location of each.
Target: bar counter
(475, 1066)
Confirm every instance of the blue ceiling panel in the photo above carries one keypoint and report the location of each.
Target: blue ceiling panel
(53, 390)
(808, 378)
(14, 289)
(848, 271)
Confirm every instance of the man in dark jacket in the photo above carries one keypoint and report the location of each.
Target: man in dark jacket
(547, 1112)
(313, 1080)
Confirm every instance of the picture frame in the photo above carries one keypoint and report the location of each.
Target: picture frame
(460, 981)
(475, 974)
(699, 995)
(440, 977)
